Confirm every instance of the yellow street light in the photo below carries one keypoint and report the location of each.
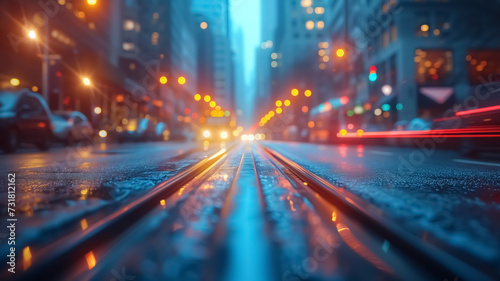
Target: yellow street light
(207, 98)
(163, 80)
(279, 110)
(86, 81)
(97, 110)
(279, 103)
(212, 104)
(15, 82)
(295, 92)
(308, 93)
(203, 25)
(181, 80)
(287, 103)
(197, 97)
(340, 53)
(92, 2)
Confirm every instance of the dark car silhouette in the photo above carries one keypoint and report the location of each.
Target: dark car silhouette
(24, 118)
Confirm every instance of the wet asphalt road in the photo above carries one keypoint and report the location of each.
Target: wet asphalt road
(55, 188)
(249, 212)
(245, 220)
(439, 196)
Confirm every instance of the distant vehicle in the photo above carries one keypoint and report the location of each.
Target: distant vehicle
(216, 129)
(71, 126)
(145, 131)
(24, 118)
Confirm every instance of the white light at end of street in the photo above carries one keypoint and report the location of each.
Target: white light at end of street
(387, 90)
(32, 34)
(86, 81)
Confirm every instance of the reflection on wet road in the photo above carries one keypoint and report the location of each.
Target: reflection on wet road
(439, 196)
(58, 189)
(249, 216)
(249, 219)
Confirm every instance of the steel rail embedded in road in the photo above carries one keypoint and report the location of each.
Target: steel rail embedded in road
(435, 260)
(56, 258)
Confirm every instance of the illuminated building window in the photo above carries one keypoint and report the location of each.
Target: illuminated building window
(128, 46)
(154, 38)
(423, 24)
(423, 30)
(128, 25)
(433, 66)
(320, 10)
(306, 3)
(394, 33)
(483, 63)
(385, 39)
(309, 24)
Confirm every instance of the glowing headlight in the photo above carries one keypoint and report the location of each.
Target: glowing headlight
(206, 134)
(223, 135)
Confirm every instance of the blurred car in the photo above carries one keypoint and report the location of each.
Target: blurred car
(144, 131)
(71, 126)
(216, 129)
(161, 132)
(419, 124)
(24, 118)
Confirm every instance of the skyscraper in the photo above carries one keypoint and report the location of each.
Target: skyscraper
(216, 15)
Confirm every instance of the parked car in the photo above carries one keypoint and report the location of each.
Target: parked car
(71, 126)
(145, 131)
(24, 118)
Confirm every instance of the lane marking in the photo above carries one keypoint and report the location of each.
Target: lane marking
(476, 162)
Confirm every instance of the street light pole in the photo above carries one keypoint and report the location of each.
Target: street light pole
(348, 49)
(45, 63)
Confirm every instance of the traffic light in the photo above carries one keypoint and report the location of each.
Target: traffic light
(373, 73)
